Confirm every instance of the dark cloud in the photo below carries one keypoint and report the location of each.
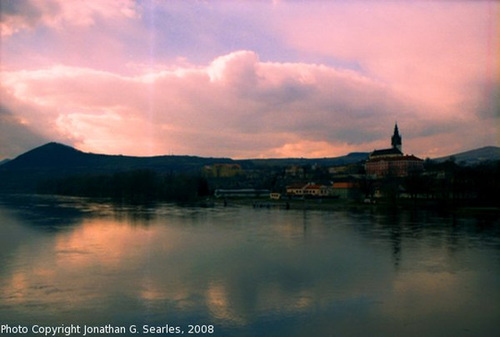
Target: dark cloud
(15, 137)
(26, 12)
(489, 106)
(20, 8)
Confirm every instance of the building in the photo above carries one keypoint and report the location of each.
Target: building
(346, 189)
(394, 166)
(396, 140)
(392, 161)
(315, 190)
(275, 195)
(222, 170)
(309, 190)
(295, 190)
(396, 149)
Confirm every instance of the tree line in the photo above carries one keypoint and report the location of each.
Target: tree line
(449, 183)
(137, 185)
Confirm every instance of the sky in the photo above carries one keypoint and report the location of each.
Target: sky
(249, 79)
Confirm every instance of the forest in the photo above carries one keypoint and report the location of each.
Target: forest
(136, 186)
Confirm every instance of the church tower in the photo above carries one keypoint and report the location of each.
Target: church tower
(396, 139)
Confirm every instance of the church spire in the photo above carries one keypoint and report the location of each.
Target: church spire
(396, 139)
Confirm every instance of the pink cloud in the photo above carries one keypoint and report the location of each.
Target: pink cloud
(426, 67)
(235, 106)
(427, 51)
(21, 15)
(433, 67)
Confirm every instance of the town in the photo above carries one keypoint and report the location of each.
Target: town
(383, 176)
(387, 175)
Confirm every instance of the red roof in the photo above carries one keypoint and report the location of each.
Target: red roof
(344, 185)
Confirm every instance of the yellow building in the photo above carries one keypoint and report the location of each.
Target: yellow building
(223, 170)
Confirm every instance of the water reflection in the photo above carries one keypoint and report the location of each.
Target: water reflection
(247, 271)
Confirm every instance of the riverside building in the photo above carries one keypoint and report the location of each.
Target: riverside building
(392, 161)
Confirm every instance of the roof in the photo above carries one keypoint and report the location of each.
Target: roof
(400, 158)
(346, 184)
(386, 152)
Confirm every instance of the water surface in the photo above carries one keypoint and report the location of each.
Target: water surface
(248, 272)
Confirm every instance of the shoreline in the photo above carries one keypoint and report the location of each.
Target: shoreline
(444, 206)
(342, 204)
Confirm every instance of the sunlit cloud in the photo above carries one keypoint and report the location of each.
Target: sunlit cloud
(236, 101)
(315, 80)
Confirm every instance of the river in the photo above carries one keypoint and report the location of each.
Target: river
(166, 269)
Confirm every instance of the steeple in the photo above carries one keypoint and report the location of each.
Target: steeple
(396, 139)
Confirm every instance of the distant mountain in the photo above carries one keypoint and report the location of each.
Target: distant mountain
(487, 153)
(54, 160)
(51, 155)
(4, 161)
(351, 158)
(65, 158)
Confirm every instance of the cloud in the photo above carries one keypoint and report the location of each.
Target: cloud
(426, 52)
(153, 78)
(15, 136)
(16, 133)
(237, 106)
(23, 14)
(19, 15)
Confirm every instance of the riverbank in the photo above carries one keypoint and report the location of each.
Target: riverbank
(342, 204)
(300, 204)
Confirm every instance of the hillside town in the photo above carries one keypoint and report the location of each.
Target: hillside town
(386, 175)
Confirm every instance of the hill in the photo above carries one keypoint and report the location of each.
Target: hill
(472, 157)
(65, 159)
(54, 160)
(350, 158)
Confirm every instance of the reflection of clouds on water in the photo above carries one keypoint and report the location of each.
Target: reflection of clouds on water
(15, 288)
(240, 266)
(438, 301)
(220, 306)
(100, 243)
(224, 302)
(238, 274)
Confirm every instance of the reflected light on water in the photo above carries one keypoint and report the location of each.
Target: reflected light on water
(220, 306)
(240, 268)
(101, 242)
